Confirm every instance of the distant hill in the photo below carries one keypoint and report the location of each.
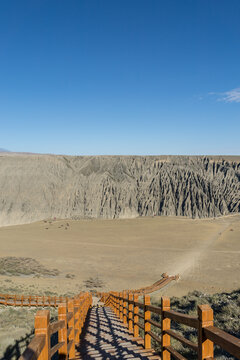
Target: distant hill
(35, 187)
(4, 150)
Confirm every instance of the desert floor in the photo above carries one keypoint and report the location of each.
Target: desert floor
(125, 254)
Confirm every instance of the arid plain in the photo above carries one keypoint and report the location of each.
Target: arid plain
(126, 253)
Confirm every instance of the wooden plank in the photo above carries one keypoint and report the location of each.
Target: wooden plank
(55, 348)
(141, 326)
(154, 309)
(34, 348)
(175, 354)
(69, 345)
(226, 341)
(155, 337)
(182, 339)
(155, 323)
(56, 326)
(182, 318)
(140, 305)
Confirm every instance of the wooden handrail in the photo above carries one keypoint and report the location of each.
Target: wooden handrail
(180, 338)
(228, 342)
(31, 300)
(176, 355)
(56, 326)
(34, 349)
(67, 326)
(55, 348)
(182, 318)
(126, 306)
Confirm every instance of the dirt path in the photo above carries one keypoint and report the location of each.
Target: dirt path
(194, 255)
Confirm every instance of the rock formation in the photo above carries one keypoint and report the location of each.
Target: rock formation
(35, 187)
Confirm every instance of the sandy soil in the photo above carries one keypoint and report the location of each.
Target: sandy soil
(126, 254)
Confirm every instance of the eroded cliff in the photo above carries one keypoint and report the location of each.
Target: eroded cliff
(35, 187)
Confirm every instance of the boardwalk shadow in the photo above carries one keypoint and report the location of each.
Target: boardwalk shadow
(105, 337)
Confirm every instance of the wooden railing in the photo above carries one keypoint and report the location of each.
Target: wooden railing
(164, 281)
(71, 318)
(31, 300)
(128, 308)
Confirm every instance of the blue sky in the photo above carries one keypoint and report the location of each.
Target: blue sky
(87, 77)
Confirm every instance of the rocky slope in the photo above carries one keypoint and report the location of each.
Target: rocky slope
(34, 187)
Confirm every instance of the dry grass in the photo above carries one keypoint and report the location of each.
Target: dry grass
(226, 308)
(17, 266)
(126, 254)
(17, 329)
(94, 283)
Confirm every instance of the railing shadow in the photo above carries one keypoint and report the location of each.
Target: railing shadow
(13, 352)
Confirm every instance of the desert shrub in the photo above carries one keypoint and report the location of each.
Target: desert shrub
(93, 283)
(16, 266)
(226, 308)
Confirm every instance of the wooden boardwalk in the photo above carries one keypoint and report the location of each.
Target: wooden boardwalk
(89, 331)
(106, 337)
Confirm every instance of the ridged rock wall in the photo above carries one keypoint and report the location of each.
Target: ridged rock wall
(35, 187)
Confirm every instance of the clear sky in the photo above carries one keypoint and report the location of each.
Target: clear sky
(124, 77)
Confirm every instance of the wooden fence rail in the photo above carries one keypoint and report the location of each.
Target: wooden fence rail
(71, 317)
(164, 281)
(31, 300)
(128, 308)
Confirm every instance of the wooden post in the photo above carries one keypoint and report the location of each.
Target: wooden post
(81, 314)
(135, 319)
(166, 325)
(62, 334)
(118, 304)
(121, 306)
(130, 313)
(71, 337)
(124, 308)
(111, 301)
(115, 302)
(205, 319)
(77, 320)
(147, 325)
(42, 319)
